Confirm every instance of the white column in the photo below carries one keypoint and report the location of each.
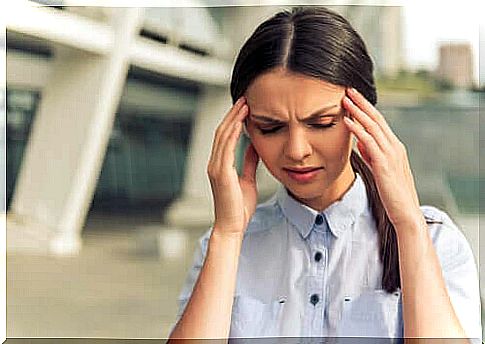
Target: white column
(68, 141)
(392, 39)
(194, 208)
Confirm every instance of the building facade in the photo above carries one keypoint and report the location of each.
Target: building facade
(456, 64)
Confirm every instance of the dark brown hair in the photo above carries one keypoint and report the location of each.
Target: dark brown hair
(320, 43)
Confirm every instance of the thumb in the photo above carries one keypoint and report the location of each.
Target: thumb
(251, 159)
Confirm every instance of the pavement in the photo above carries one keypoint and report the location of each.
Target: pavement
(121, 285)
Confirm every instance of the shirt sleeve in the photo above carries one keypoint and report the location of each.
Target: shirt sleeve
(191, 277)
(459, 271)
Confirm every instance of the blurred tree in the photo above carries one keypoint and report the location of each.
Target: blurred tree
(443, 84)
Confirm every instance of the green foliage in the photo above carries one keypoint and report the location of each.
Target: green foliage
(444, 84)
(420, 81)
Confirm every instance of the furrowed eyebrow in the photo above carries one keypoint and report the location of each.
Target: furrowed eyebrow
(315, 115)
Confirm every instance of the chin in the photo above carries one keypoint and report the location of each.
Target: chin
(306, 191)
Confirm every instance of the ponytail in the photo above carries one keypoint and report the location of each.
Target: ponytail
(388, 249)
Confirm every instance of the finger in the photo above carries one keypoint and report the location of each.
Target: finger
(228, 147)
(371, 147)
(226, 129)
(230, 116)
(372, 112)
(251, 160)
(225, 150)
(368, 124)
(221, 128)
(233, 110)
(228, 152)
(348, 114)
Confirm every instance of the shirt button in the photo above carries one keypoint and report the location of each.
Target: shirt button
(318, 256)
(314, 299)
(319, 220)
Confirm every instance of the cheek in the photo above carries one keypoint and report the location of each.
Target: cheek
(336, 147)
(343, 139)
(346, 143)
(268, 152)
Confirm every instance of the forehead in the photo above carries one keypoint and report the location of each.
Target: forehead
(286, 92)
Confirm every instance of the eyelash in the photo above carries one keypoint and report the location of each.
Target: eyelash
(275, 129)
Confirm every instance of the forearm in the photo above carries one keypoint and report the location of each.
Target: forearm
(427, 308)
(208, 312)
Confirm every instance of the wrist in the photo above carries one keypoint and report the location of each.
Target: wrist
(411, 216)
(412, 225)
(225, 242)
(226, 234)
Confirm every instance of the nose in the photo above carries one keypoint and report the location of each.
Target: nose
(297, 146)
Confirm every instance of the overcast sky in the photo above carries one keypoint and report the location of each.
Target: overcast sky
(426, 23)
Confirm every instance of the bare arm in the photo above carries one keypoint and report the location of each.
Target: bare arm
(428, 311)
(208, 312)
(427, 308)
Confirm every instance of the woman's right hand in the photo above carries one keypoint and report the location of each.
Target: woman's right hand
(234, 197)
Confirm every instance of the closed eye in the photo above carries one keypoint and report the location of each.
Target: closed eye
(318, 125)
(274, 129)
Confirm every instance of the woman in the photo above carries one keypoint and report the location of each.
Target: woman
(344, 247)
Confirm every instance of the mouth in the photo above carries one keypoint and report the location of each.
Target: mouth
(302, 170)
(303, 175)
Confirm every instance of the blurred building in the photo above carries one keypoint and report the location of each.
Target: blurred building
(114, 109)
(456, 64)
(101, 109)
(382, 30)
(381, 27)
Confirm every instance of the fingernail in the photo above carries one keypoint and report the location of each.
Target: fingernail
(353, 90)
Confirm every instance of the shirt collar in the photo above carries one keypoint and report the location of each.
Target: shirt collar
(340, 215)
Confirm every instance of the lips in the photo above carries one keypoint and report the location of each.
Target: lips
(302, 170)
(303, 175)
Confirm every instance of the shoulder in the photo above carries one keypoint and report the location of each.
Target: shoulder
(448, 239)
(266, 215)
(434, 214)
(459, 268)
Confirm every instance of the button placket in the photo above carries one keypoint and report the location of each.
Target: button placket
(319, 220)
(316, 286)
(318, 254)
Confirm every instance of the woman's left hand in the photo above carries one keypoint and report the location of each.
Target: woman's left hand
(386, 157)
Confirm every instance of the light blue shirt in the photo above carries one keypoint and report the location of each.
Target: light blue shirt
(304, 273)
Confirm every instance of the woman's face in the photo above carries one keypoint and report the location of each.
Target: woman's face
(296, 122)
